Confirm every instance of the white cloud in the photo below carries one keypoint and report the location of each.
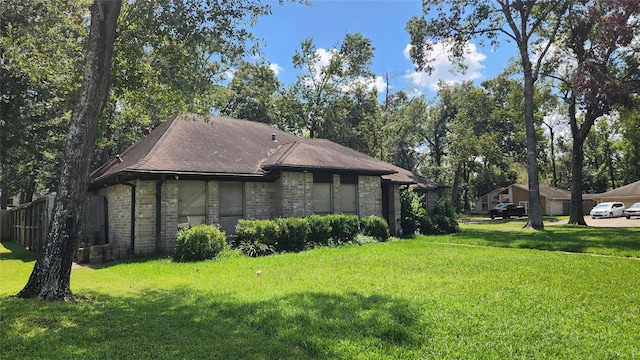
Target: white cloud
(444, 70)
(277, 69)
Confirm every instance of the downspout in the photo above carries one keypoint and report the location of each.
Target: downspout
(133, 212)
(159, 213)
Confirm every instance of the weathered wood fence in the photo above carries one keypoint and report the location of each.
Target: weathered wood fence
(28, 224)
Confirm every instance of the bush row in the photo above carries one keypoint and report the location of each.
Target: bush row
(263, 237)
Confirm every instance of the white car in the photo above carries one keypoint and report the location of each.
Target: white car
(607, 209)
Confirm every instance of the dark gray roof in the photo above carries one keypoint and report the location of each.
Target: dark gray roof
(192, 144)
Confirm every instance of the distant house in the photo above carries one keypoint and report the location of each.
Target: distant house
(553, 201)
(194, 169)
(627, 194)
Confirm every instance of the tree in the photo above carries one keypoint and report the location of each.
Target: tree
(39, 72)
(251, 94)
(532, 25)
(595, 81)
(50, 278)
(347, 67)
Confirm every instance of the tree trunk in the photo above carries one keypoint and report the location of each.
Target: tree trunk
(50, 278)
(535, 213)
(579, 134)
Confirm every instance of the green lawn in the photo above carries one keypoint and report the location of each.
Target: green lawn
(404, 299)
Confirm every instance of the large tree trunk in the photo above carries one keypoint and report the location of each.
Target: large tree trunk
(535, 212)
(579, 134)
(51, 275)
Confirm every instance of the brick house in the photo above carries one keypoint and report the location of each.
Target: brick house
(203, 169)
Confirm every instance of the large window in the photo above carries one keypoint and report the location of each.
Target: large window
(322, 193)
(349, 194)
(192, 200)
(231, 201)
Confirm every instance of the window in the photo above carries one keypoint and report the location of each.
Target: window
(231, 205)
(322, 193)
(192, 200)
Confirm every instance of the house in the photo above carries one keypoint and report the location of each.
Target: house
(553, 201)
(628, 194)
(203, 169)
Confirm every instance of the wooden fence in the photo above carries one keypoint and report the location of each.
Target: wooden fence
(28, 224)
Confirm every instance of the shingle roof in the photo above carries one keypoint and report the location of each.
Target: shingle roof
(192, 144)
(549, 192)
(631, 190)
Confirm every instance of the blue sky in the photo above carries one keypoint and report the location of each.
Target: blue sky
(382, 21)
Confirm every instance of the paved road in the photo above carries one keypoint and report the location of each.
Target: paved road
(614, 222)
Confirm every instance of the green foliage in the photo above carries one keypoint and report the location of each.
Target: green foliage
(319, 229)
(344, 228)
(257, 237)
(443, 220)
(375, 226)
(199, 242)
(411, 211)
(293, 233)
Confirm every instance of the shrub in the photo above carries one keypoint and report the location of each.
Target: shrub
(199, 242)
(376, 227)
(257, 231)
(319, 230)
(412, 212)
(443, 220)
(255, 248)
(293, 233)
(344, 228)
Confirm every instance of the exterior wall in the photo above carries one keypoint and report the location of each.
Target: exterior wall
(169, 216)
(554, 208)
(394, 209)
(294, 193)
(430, 199)
(145, 217)
(335, 194)
(369, 196)
(260, 200)
(213, 203)
(119, 213)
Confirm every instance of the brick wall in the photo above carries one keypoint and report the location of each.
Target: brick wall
(145, 215)
(260, 200)
(169, 216)
(119, 213)
(294, 194)
(369, 196)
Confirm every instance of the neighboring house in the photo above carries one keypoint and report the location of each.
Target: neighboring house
(194, 169)
(627, 194)
(553, 201)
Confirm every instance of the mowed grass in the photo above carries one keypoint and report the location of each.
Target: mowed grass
(405, 299)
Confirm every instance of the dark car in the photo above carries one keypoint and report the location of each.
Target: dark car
(633, 210)
(506, 210)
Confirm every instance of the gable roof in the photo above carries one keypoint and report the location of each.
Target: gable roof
(548, 192)
(629, 190)
(191, 144)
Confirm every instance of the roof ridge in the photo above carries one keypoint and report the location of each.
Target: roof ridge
(157, 144)
(287, 152)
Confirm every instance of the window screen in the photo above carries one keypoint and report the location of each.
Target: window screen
(322, 198)
(349, 198)
(231, 205)
(192, 198)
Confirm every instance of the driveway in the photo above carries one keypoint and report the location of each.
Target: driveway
(606, 222)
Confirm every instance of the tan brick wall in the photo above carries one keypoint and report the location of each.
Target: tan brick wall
(145, 215)
(118, 213)
(394, 209)
(369, 196)
(294, 194)
(260, 200)
(213, 201)
(169, 217)
(335, 193)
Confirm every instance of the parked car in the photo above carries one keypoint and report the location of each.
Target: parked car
(607, 209)
(506, 210)
(633, 210)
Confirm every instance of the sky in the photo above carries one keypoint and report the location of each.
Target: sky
(383, 22)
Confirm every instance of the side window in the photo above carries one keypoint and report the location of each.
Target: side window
(231, 205)
(349, 194)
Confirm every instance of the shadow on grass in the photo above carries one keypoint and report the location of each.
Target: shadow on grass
(17, 252)
(570, 238)
(184, 323)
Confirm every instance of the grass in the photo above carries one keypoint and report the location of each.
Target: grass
(404, 299)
